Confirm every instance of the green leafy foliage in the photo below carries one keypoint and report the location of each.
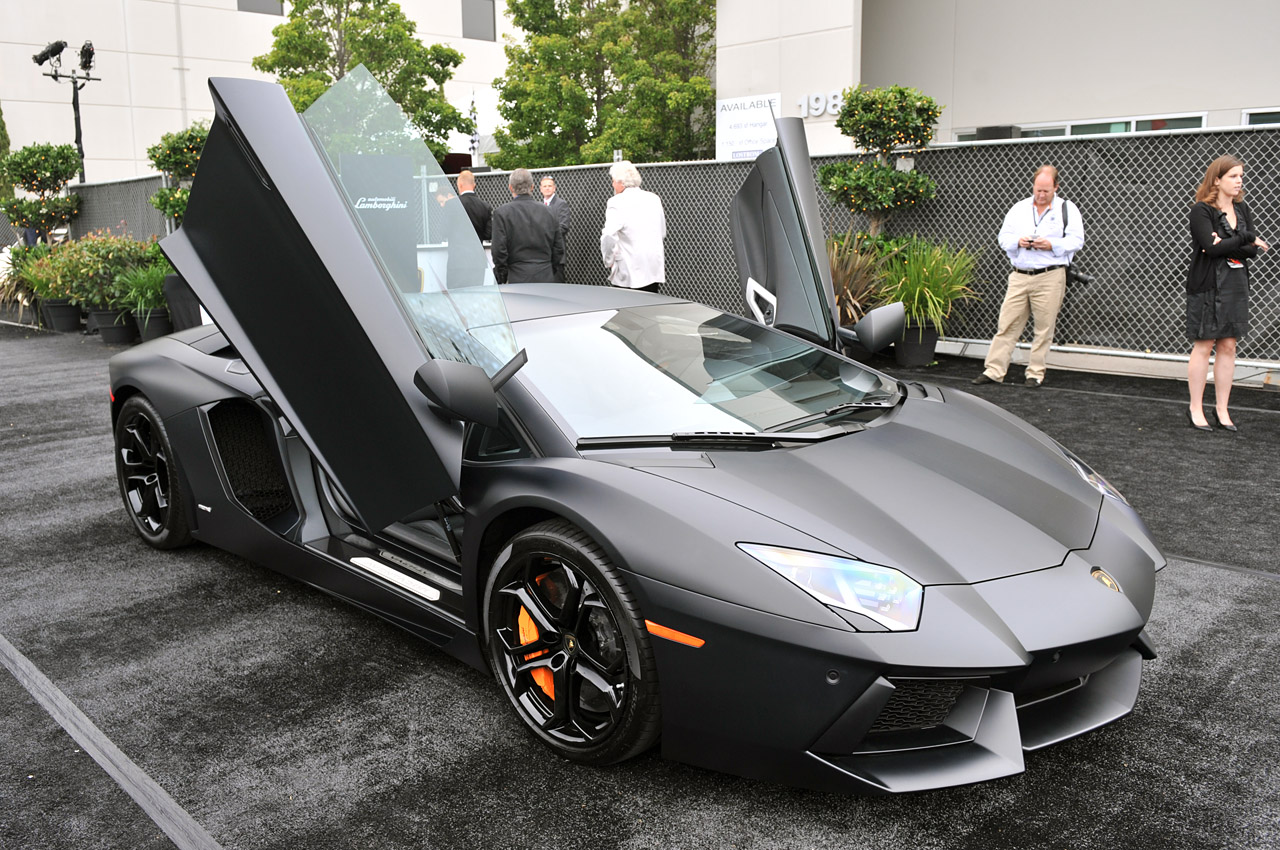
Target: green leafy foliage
(42, 169)
(885, 122)
(857, 270)
(85, 270)
(866, 186)
(6, 185)
(324, 39)
(592, 76)
(16, 278)
(141, 287)
(178, 154)
(928, 279)
(44, 214)
(888, 119)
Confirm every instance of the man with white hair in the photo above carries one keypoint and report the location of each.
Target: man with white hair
(634, 227)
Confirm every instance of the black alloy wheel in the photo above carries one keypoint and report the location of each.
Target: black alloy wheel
(148, 474)
(565, 639)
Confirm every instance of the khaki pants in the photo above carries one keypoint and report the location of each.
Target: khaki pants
(1039, 297)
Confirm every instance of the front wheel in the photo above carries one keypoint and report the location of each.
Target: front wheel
(567, 643)
(147, 471)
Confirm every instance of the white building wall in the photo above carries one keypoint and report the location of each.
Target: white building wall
(1020, 62)
(799, 48)
(155, 58)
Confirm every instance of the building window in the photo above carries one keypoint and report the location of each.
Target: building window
(266, 7)
(1270, 116)
(1099, 127)
(1185, 122)
(478, 21)
(1041, 132)
(967, 136)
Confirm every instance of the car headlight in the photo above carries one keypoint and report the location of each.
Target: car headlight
(886, 595)
(1095, 480)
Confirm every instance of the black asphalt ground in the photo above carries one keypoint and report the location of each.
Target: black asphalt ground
(245, 710)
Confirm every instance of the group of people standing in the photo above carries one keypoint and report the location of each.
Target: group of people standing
(1041, 235)
(527, 235)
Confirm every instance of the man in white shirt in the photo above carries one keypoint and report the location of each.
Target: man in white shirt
(634, 227)
(1040, 235)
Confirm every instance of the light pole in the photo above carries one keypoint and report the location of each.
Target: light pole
(79, 78)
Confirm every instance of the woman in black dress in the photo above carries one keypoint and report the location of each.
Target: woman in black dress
(1223, 238)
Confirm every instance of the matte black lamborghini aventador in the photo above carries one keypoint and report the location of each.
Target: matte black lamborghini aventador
(652, 521)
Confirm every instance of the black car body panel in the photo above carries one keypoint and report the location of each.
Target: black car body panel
(301, 443)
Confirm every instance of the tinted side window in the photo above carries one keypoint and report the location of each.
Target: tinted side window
(490, 444)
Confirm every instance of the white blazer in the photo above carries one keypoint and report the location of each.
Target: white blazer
(631, 242)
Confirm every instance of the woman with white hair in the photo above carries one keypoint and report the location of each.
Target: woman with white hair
(634, 227)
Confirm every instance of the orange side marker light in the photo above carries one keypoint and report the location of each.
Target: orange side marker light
(672, 634)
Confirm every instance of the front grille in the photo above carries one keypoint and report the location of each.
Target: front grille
(917, 704)
(249, 457)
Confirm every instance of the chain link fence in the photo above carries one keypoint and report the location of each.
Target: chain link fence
(1133, 191)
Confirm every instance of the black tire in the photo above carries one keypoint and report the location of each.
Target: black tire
(147, 471)
(583, 678)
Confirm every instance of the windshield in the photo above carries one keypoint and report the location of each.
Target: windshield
(682, 367)
(413, 222)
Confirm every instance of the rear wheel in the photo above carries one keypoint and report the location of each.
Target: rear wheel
(567, 643)
(147, 471)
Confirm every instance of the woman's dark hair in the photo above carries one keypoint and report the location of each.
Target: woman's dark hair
(1208, 192)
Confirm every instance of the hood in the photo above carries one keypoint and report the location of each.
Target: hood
(954, 492)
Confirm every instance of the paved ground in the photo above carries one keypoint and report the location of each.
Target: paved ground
(268, 715)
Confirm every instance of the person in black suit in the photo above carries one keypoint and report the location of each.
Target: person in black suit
(556, 204)
(477, 210)
(528, 246)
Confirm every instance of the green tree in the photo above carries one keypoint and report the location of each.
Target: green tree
(592, 76)
(177, 155)
(664, 64)
(324, 39)
(42, 170)
(886, 122)
(6, 185)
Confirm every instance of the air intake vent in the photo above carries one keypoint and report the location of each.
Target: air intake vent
(918, 704)
(249, 457)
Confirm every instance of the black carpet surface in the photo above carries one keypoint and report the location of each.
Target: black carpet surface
(277, 717)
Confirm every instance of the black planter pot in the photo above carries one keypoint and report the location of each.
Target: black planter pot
(115, 327)
(917, 346)
(60, 315)
(152, 323)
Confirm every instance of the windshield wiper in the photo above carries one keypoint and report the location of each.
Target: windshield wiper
(714, 438)
(842, 408)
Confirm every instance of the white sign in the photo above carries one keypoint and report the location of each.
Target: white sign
(744, 125)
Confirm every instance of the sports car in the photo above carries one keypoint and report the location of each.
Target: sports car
(656, 523)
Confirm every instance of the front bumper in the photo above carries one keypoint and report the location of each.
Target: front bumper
(994, 670)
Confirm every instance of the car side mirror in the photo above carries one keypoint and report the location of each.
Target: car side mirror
(876, 330)
(461, 390)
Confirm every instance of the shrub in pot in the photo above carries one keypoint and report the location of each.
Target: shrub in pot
(928, 278)
(142, 290)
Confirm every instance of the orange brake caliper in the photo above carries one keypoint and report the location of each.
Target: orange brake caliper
(528, 634)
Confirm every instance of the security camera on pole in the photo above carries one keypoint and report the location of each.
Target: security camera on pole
(78, 77)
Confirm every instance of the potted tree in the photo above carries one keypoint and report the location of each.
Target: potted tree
(41, 170)
(928, 279)
(176, 156)
(886, 123)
